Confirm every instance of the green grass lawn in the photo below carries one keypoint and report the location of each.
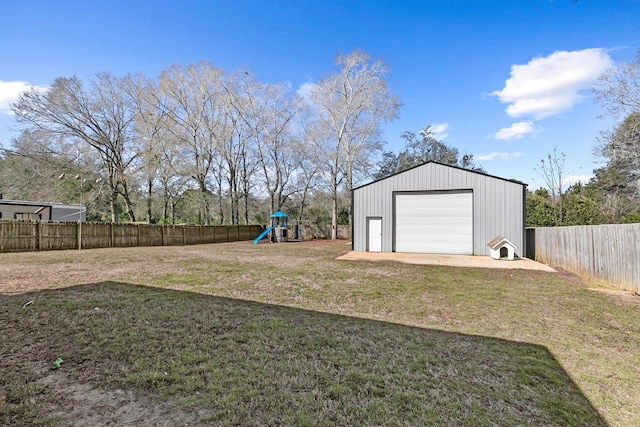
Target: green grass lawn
(236, 334)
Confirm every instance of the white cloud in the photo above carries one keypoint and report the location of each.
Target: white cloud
(440, 131)
(9, 92)
(491, 156)
(305, 89)
(515, 131)
(550, 85)
(573, 179)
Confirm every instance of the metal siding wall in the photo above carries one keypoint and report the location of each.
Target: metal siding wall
(359, 220)
(497, 204)
(499, 212)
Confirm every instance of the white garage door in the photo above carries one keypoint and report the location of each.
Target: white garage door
(437, 223)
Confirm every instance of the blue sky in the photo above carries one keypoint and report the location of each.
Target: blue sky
(506, 81)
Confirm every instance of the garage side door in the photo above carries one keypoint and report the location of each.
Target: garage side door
(436, 222)
(374, 234)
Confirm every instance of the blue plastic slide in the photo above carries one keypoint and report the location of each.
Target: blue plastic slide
(264, 233)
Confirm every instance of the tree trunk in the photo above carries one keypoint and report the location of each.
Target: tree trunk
(334, 217)
(127, 203)
(113, 204)
(334, 207)
(165, 211)
(349, 191)
(205, 202)
(245, 187)
(149, 193)
(207, 210)
(220, 205)
(302, 202)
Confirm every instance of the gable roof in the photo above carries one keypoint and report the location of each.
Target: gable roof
(499, 241)
(442, 164)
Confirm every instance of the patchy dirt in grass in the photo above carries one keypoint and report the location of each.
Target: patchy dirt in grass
(55, 269)
(567, 275)
(621, 296)
(626, 297)
(81, 404)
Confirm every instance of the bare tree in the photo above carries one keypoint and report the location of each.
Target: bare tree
(150, 128)
(191, 97)
(233, 147)
(551, 170)
(247, 168)
(621, 147)
(215, 139)
(268, 112)
(618, 89)
(308, 173)
(351, 105)
(234, 150)
(99, 116)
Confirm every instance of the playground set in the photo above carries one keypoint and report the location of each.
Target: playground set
(284, 230)
(278, 229)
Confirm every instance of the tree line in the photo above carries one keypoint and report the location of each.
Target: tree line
(202, 145)
(198, 143)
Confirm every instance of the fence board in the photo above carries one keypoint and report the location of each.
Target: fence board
(57, 235)
(233, 233)
(173, 235)
(609, 253)
(125, 235)
(208, 234)
(221, 234)
(19, 236)
(149, 235)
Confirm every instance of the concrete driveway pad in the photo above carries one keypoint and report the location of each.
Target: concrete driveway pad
(476, 261)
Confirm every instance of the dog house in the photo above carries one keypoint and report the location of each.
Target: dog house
(501, 248)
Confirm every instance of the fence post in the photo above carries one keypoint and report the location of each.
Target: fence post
(39, 236)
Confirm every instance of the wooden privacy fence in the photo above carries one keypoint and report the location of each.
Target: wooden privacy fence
(19, 236)
(610, 253)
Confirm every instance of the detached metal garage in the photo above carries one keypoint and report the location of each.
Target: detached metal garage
(436, 208)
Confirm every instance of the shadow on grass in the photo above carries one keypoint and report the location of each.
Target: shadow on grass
(236, 362)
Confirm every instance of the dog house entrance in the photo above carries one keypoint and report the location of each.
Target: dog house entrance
(504, 252)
